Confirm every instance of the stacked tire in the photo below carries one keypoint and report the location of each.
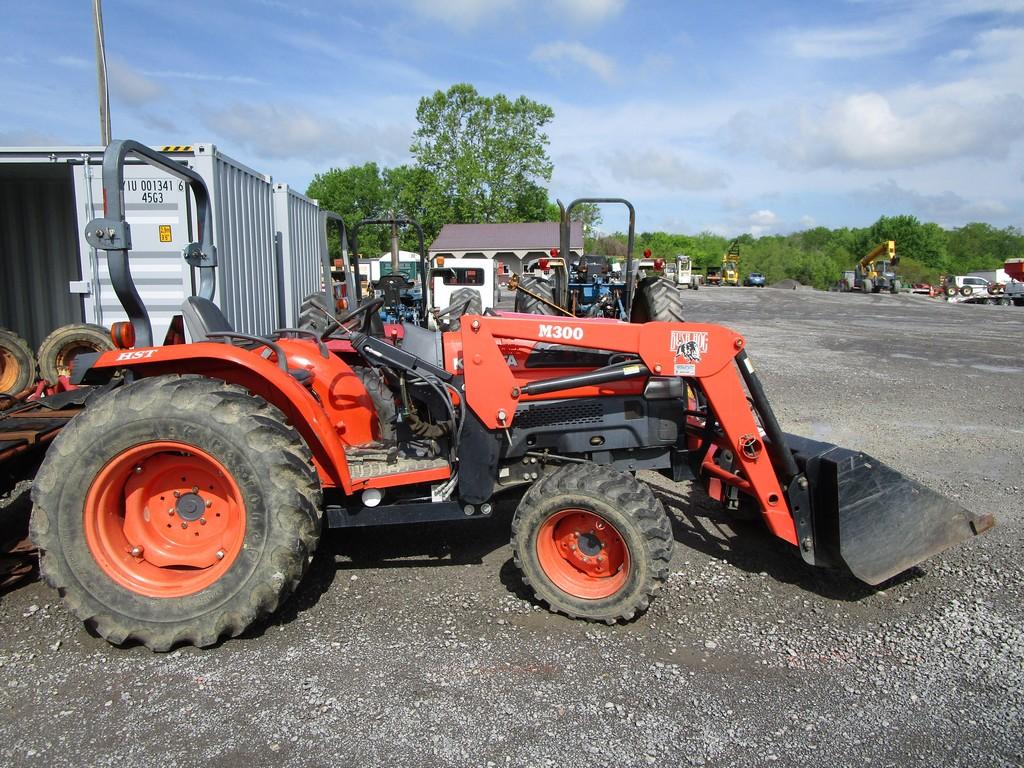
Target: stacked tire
(17, 363)
(58, 351)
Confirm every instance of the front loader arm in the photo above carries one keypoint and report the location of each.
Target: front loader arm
(706, 356)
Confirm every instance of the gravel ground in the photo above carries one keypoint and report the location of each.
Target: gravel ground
(418, 648)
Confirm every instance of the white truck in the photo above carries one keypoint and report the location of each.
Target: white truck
(452, 280)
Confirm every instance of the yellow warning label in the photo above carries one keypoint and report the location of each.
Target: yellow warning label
(165, 233)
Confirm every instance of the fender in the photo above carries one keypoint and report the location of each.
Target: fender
(247, 369)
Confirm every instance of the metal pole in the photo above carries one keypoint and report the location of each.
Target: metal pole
(394, 243)
(101, 72)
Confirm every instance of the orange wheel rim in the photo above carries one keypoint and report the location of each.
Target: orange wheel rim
(164, 519)
(583, 554)
(9, 370)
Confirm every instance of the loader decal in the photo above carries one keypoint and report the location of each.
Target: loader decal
(545, 331)
(689, 345)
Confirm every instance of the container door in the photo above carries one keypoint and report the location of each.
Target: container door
(158, 210)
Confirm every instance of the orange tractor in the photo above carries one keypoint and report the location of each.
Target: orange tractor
(184, 503)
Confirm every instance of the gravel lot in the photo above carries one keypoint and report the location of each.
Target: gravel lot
(417, 648)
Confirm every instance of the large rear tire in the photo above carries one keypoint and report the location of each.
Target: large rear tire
(17, 363)
(383, 401)
(657, 299)
(592, 542)
(528, 304)
(467, 301)
(178, 509)
(59, 350)
(867, 286)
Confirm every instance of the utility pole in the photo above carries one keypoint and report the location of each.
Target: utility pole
(101, 72)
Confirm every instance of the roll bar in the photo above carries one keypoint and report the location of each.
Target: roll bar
(351, 280)
(565, 228)
(113, 235)
(401, 222)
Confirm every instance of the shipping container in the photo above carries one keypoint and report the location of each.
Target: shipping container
(301, 250)
(52, 277)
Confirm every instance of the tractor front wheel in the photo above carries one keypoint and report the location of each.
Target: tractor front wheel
(178, 509)
(593, 542)
(17, 363)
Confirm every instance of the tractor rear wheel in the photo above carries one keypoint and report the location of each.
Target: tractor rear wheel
(60, 348)
(593, 542)
(530, 305)
(178, 509)
(467, 301)
(17, 363)
(383, 400)
(657, 299)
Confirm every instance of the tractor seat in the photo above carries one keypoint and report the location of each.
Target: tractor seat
(203, 317)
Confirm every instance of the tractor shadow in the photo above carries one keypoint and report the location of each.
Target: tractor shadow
(425, 545)
(701, 524)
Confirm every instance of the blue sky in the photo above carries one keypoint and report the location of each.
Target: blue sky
(729, 117)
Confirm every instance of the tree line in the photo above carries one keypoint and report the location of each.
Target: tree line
(480, 159)
(819, 256)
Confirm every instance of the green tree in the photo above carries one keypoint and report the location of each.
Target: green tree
(488, 154)
(354, 193)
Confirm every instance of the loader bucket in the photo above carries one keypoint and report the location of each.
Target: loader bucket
(872, 520)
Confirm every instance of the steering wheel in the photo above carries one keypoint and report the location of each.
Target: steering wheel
(363, 310)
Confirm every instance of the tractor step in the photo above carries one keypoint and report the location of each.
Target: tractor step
(402, 514)
(376, 468)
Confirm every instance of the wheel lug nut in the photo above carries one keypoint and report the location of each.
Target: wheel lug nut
(136, 551)
(184, 525)
(202, 521)
(220, 554)
(138, 470)
(177, 494)
(209, 503)
(195, 489)
(170, 511)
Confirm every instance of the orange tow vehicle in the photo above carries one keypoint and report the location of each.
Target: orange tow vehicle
(186, 501)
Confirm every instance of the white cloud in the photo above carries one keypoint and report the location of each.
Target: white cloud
(762, 222)
(866, 130)
(462, 14)
(808, 222)
(946, 208)
(663, 167)
(204, 77)
(892, 31)
(283, 130)
(589, 11)
(131, 87)
(551, 54)
(466, 14)
(979, 114)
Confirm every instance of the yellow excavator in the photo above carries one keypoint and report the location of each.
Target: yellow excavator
(731, 265)
(876, 272)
